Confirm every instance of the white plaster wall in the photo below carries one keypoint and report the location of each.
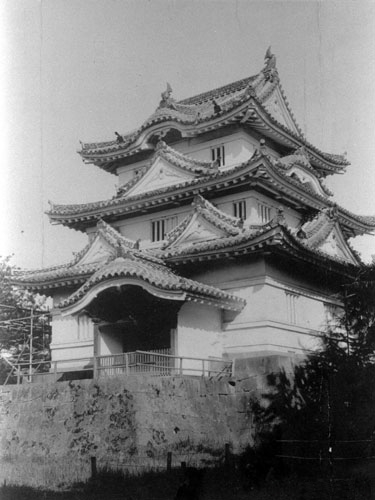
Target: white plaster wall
(127, 172)
(140, 227)
(292, 217)
(109, 344)
(72, 338)
(268, 338)
(264, 325)
(198, 334)
(239, 147)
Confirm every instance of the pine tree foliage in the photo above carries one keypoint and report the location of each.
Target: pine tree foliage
(328, 402)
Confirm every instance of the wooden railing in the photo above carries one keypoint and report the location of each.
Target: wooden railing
(156, 363)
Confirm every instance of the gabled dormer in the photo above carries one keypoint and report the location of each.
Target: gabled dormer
(167, 168)
(204, 223)
(323, 233)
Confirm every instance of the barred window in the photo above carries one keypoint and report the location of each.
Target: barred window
(218, 154)
(291, 307)
(161, 227)
(239, 209)
(264, 213)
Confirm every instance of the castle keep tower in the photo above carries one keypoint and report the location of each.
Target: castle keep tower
(221, 242)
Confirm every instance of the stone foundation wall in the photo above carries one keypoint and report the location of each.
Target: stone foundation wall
(130, 423)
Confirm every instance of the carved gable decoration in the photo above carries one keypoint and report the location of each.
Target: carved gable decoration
(306, 178)
(197, 230)
(161, 174)
(336, 246)
(276, 106)
(99, 251)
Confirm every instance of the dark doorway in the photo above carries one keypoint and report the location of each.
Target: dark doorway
(135, 319)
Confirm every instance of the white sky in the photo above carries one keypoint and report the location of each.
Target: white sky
(81, 69)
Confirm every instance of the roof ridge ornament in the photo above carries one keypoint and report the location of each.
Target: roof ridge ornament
(160, 145)
(119, 138)
(279, 218)
(270, 70)
(249, 91)
(166, 100)
(302, 151)
(331, 211)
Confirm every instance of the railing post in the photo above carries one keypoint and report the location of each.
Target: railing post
(93, 468)
(55, 371)
(95, 374)
(181, 370)
(203, 368)
(126, 363)
(169, 460)
(18, 375)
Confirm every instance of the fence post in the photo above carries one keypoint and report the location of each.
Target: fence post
(169, 460)
(95, 374)
(93, 467)
(203, 369)
(126, 363)
(55, 371)
(181, 371)
(18, 375)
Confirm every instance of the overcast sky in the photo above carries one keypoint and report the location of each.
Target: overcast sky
(81, 69)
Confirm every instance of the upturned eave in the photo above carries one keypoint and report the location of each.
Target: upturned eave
(250, 112)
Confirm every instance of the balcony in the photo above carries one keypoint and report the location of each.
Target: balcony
(156, 363)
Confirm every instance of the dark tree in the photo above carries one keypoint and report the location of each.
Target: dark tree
(323, 413)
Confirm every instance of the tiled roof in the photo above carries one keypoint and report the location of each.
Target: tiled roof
(212, 108)
(317, 229)
(151, 266)
(159, 276)
(85, 208)
(75, 272)
(84, 214)
(184, 161)
(253, 240)
(300, 158)
(220, 92)
(53, 277)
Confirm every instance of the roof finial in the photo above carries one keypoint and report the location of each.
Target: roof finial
(166, 99)
(270, 70)
(119, 137)
(217, 107)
